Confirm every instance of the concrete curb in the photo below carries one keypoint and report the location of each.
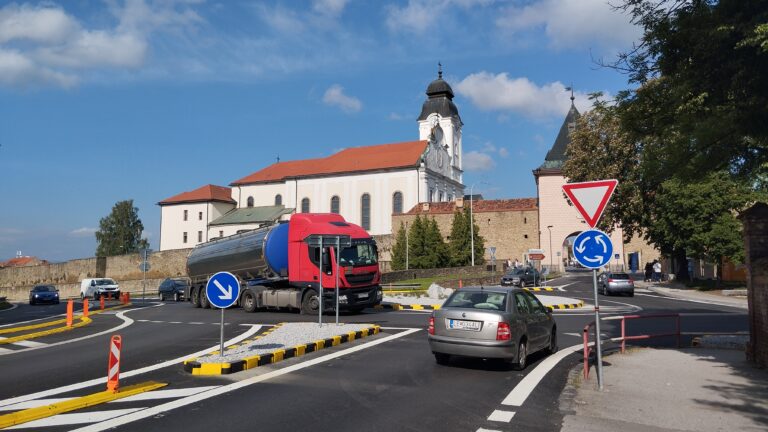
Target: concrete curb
(700, 297)
(398, 306)
(196, 368)
(537, 289)
(578, 305)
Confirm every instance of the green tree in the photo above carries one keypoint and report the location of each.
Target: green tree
(417, 244)
(436, 249)
(460, 245)
(398, 249)
(120, 232)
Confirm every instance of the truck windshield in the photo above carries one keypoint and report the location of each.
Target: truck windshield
(363, 254)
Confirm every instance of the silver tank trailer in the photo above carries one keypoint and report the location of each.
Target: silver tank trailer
(240, 254)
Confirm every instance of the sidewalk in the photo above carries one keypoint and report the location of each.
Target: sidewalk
(676, 291)
(653, 390)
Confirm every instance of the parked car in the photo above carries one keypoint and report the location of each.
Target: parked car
(173, 288)
(505, 323)
(98, 287)
(521, 277)
(43, 294)
(620, 283)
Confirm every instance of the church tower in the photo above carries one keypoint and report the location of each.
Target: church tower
(439, 120)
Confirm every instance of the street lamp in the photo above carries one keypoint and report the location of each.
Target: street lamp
(472, 220)
(551, 252)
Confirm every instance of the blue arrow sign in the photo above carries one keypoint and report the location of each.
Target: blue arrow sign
(222, 290)
(593, 248)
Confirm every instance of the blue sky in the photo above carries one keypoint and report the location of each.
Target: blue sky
(102, 101)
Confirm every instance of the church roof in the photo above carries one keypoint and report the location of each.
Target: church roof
(351, 160)
(556, 155)
(206, 193)
(480, 206)
(439, 99)
(252, 215)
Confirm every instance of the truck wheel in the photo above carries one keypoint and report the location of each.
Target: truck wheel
(204, 303)
(310, 304)
(195, 297)
(248, 301)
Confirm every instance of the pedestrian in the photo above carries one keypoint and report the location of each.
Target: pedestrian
(656, 271)
(648, 271)
(509, 263)
(517, 263)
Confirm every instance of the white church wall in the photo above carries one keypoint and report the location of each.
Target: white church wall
(174, 226)
(263, 194)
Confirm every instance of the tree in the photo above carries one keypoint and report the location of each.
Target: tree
(120, 232)
(437, 251)
(417, 244)
(398, 249)
(460, 244)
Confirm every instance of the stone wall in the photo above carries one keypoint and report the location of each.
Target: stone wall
(755, 222)
(15, 282)
(459, 272)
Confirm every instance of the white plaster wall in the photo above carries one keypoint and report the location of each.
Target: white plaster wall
(263, 194)
(173, 225)
(565, 220)
(228, 230)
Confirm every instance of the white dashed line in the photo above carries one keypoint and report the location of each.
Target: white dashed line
(501, 416)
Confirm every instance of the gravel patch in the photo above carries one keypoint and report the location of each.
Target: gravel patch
(287, 335)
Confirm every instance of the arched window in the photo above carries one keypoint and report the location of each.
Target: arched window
(250, 201)
(305, 205)
(365, 211)
(278, 200)
(397, 202)
(335, 204)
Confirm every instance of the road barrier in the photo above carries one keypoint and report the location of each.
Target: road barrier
(113, 369)
(101, 302)
(70, 312)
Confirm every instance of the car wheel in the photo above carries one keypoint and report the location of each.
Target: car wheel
(552, 348)
(195, 297)
(632, 294)
(248, 301)
(204, 303)
(442, 358)
(310, 304)
(522, 284)
(522, 355)
(31, 302)
(177, 297)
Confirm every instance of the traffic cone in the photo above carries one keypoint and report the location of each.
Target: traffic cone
(85, 307)
(460, 284)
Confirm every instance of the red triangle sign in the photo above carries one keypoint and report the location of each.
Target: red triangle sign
(590, 198)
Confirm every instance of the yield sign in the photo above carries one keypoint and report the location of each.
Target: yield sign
(590, 198)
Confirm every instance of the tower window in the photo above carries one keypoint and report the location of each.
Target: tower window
(335, 204)
(525, 220)
(365, 211)
(221, 233)
(305, 205)
(250, 201)
(278, 200)
(186, 214)
(397, 202)
(199, 236)
(199, 215)
(184, 237)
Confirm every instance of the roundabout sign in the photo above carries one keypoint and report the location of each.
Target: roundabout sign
(593, 249)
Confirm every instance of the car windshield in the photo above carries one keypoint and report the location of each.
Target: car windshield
(180, 283)
(363, 254)
(477, 300)
(623, 276)
(515, 272)
(44, 288)
(105, 282)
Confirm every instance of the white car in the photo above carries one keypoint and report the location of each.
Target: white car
(98, 287)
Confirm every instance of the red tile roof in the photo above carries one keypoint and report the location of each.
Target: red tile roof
(478, 206)
(23, 262)
(206, 193)
(356, 159)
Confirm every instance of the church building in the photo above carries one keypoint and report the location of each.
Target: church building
(366, 185)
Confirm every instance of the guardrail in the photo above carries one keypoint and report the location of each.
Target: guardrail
(589, 346)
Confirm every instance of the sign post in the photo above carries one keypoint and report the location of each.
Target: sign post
(221, 297)
(593, 248)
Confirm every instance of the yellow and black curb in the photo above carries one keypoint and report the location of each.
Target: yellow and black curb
(84, 321)
(537, 289)
(197, 368)
(31, 414)
(397, 306)
(577, 305)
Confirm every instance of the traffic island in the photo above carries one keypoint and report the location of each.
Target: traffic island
(559, 303)
(278, 343)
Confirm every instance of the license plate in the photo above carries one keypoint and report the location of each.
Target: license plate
(463, 325)
(362, 295)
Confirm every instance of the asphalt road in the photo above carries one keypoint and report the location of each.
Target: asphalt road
(386, 382)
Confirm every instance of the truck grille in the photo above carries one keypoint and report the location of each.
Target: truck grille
(362, 278)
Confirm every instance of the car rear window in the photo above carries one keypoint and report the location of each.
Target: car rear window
(44, 288)
(619, 276)
(478, 300)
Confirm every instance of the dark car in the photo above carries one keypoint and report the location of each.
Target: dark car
(173, 288)
(615, 283)
(504, 323)
(43, 294)
(521, 277)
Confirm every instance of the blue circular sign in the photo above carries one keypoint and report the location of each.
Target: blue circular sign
(593, 249)
(222, 290)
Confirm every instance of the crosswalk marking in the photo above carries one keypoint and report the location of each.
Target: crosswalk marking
(164, 394)
(501, 416)
(77, 418)
(5, 350)
(31, 404)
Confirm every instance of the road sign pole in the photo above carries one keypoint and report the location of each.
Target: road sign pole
(320, 279)
(338, 261)
(598, 344)
(221, 334)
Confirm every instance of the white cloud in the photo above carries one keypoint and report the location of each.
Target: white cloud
(477, 161)
(572, 23)
(501, 93)
(23, 22)
(420, 16)
(330, 7)
(335, 96)
(83, 232)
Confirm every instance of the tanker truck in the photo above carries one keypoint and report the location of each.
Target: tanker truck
(278, 269)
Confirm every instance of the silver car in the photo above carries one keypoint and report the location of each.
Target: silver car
(505, 323)
(615, 283)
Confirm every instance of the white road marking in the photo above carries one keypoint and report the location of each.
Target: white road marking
(165, 394)
(195, 322)
(573, 334)
(6, 351)
(175, 322)
(523, 389)
(153, 411)
(77, 418)
(487, 430)
(501, 416)
(32, 404)
(99, 381)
